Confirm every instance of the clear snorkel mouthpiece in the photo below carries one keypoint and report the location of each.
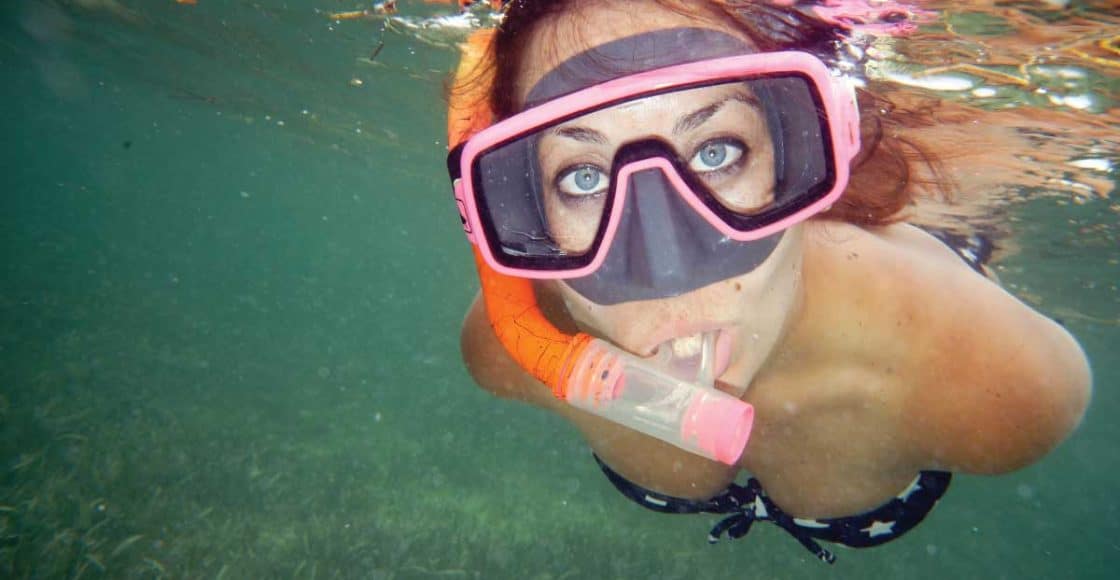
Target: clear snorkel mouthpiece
(670, 398)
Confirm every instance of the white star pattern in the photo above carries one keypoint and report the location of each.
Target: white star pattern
(878, 528)
(760, 509)
(914, 486)
(653, 500)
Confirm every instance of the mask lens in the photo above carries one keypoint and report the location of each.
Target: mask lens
(554, 216)
(752, 150)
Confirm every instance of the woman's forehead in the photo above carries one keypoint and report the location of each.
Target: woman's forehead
(661, 111)
(597, 25)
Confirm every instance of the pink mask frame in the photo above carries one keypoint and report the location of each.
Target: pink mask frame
(837, 98)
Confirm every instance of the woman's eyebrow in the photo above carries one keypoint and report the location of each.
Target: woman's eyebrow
(700, 116)
(580, 134)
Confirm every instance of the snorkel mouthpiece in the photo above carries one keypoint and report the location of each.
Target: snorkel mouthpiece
(636, 393)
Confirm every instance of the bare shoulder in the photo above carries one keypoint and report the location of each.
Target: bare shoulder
(992, 385)
(491, 366)
(894, 242)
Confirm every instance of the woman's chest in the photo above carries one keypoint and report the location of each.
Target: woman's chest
(832, 442)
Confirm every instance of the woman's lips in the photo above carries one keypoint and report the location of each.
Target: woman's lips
(723, 353)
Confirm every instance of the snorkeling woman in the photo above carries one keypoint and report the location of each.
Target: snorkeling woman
(689, 236)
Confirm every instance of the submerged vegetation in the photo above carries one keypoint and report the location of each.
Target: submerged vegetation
(123, 469)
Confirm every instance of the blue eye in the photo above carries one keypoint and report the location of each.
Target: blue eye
(582, 180)
(716, 155)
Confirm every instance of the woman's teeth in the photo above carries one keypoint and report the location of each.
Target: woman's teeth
(687, 346)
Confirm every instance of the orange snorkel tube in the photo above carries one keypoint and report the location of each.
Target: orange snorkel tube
(511, 303)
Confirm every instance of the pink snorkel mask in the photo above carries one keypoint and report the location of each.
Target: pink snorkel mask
(657, 164)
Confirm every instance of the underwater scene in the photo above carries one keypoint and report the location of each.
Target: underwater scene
(234, 276)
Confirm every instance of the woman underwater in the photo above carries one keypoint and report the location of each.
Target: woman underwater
(686, 184)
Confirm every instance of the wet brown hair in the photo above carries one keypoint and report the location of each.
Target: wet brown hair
(884, 176)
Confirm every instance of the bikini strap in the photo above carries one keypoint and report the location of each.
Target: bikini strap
(743, 504)
(746, 504)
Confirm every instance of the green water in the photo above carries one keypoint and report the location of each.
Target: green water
(231, 290)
